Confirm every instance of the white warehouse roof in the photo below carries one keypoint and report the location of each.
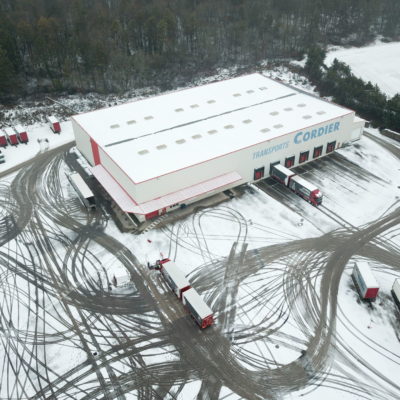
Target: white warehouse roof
(174, 131)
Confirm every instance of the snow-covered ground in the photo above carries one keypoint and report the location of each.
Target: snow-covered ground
(366, 350)
(378, 63)
(41, 139)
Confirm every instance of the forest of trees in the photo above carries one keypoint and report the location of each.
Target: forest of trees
(338, 82)
(114, 45)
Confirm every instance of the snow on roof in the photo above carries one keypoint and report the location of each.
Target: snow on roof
(9, 131)
(176, 274)
(174, 131)
(19, 129)
(127, 204)
(197, 302)
(284, 170)
(80, 185)
(52, 119)
(368, 277)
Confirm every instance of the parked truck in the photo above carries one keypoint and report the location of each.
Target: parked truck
(198, 308)
(22, 134)
(396, 291)
(180, 285)
(300, 186)
(175, 278)
(365, 281)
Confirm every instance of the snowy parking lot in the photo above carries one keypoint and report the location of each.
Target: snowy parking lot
(275, 270)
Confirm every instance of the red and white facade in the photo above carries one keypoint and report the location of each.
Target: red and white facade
(155, 155)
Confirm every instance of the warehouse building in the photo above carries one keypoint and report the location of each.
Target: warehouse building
(155, 155)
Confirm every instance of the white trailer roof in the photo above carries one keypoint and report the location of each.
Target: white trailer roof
(81, 185)
(365, 272)
(284, 170)
(197, 302)
(166, 133)
(19, 129)
(9, 131)
(52, 119)
(308, 185)
(176, 274)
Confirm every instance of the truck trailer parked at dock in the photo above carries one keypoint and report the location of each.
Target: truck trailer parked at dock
(83, 190)
(300, 186)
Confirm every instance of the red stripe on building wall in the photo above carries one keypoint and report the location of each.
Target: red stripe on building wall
(95, 152)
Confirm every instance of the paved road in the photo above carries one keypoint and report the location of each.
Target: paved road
(65, 335)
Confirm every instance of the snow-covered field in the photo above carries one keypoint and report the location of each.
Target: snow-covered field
(378, 63)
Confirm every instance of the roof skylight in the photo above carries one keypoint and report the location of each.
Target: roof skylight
(114, 126)
(161, 147)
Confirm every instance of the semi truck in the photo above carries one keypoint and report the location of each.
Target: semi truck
(198, 308)
(21, 133)
(179, 284)
(175, 278)
(365, 281)
(300, 186)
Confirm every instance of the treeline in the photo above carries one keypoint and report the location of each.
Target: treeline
(338, 82)
(112, 45)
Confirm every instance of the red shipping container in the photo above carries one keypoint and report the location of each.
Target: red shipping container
(3, 140)
(11, 136)
(54, 124)
(22, 134)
